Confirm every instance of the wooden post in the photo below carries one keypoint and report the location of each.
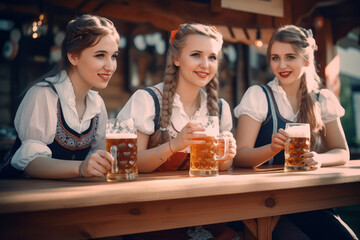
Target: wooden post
(327, 58)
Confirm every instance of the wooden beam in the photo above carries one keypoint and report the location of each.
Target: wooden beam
(271, 8)
(168, 14)
(82, 4)
(264, 21)
(287, 18)
(215, 6)
(161, 20)
(301, 10)
(327, 58)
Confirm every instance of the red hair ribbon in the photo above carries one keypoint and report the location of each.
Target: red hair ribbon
(214, 28)
(173, 33)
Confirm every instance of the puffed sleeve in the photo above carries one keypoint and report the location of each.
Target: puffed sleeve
(35, 123)
(226, 117)
(330, 106)
(140, 107)
(100, 138)
(253, 104)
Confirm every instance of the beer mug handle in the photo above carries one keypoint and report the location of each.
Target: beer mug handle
(114, 166)
(217, 138)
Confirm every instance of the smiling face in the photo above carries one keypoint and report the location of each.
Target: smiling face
(198, 60)
(95, 65)
(287, 65)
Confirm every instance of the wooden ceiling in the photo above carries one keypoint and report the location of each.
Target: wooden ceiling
(235, 25)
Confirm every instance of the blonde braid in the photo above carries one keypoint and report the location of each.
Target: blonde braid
(212, 96)
(170, 82)
(310, 112)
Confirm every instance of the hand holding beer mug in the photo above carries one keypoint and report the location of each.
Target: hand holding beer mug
(296, 145)
(121, 143)
(204, 157)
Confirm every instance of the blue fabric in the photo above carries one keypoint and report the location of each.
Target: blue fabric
(266, 129)
(157, 107)
(70, 145)
(67, 144)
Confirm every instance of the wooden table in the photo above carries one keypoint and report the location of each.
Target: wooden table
(93, 208)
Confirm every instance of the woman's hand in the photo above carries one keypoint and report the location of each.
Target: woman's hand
(230, 154)
(312, 160)
(97, 165)
(187, 136)
(278, 141)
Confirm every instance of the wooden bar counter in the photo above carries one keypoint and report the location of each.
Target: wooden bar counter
(93, 208)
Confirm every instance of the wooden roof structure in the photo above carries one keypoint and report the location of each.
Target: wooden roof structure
(238, 20)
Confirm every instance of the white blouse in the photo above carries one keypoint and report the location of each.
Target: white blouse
(36, 118)
(141, 107)
(254, 104)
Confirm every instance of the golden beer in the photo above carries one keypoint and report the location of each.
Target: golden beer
(123, 147)
(203, 158)
(296, 145)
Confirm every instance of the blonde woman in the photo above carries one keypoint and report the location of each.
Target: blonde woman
(162, 114)
(295, 95)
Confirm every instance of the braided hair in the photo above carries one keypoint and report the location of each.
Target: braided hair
(171, 78)
(304, 44)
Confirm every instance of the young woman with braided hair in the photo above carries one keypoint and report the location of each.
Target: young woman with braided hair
(163, 112)
(295, 95)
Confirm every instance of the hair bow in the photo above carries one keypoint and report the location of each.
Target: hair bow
(309, 33)
(173, 33)
(214, 28)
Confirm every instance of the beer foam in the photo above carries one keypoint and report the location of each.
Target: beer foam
(120, 135)
(212, 132)
(298, 131)
(210, 123)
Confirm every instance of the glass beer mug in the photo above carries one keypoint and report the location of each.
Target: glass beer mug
(296, 145)
(121, 143)
(204, 157)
